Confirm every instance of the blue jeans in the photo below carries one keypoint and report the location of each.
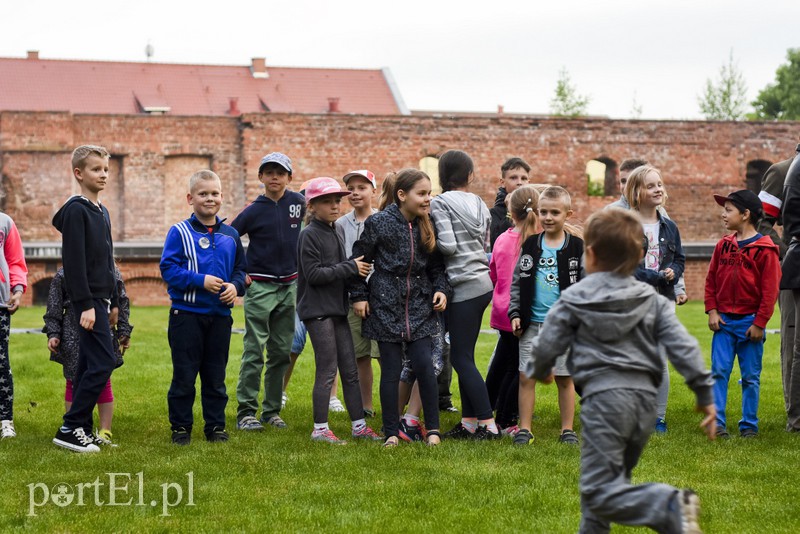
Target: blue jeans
(728, 342)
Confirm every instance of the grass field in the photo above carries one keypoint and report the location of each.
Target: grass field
(279, 481)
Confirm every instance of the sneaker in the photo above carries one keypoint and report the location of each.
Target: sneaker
(458, 432)
(523, 437)
(748, 433)
(510, 430)
(275, 421)
(569, 437)
(484, 434)
(327, 436)
(367, 433)
(284, 400)
(661, 426)
(76, 440)
(181, 436)
(689, 504)
(335, 405)
(7, 430)
(369, 414)
(409, 433)
(391, 442)
(248, 423)
(102, 438)
(722, 433)
(217, 435)
(447, 406)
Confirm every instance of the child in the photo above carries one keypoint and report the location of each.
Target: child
(362, 187)
(503, 375)
(203, 265)
(13, 284)
(615, 327)
(62, 342)
(272, 222)
(87, 255)
(741, 290)
(662, 266)
(462, 224)
(549, 263)
(513, 174)
(322, 305)
(401, 242)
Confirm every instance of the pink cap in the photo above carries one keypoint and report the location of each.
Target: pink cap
(365, 174)
(319, 187)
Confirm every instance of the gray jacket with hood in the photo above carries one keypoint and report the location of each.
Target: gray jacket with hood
(617, 328)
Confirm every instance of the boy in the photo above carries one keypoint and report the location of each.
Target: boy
(272, 223)
(741, 290)
(204, 268)
(87, 255)
(513, 173)
(615, 327)
(362, 187)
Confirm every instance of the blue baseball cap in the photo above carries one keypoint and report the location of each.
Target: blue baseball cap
(276, 157)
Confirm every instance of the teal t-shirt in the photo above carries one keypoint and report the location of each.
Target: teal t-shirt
(547, 289)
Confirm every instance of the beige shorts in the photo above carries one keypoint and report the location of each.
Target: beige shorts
(526, 351)
(363, 346)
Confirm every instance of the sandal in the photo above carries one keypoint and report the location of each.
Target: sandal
(433, 442)
(391, 442)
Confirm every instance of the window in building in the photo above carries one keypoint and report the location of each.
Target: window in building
(430, 166)
(756, 170)
(601, 175)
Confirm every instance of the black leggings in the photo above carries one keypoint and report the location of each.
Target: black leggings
(419, 353)
(464, 319)
(502, 380)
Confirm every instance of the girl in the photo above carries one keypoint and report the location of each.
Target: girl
(407, 286)
(323, 270)
(663, 263)
(462, 223)
(504, 369)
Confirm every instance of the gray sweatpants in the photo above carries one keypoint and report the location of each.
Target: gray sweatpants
(616, 426)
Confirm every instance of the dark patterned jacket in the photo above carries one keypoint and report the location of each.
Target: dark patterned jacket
(60, 322)
(405, 277)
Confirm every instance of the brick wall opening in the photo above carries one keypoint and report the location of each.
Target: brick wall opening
(756, 169)
(40, 291)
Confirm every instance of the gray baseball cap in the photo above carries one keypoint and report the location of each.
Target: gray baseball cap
(276, 157)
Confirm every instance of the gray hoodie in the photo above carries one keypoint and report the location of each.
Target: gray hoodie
(617, 328)
(462, 228)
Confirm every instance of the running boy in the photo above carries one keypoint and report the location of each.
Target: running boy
(513, 174)
(614, 326)
(272, 222)
(741, 290)
(87, 255)
(203, 266)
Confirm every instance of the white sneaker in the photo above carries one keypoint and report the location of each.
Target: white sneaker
(284, 400)
(335, 405)
(690, 511)
(7, 430)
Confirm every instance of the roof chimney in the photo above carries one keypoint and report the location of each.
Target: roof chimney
(33, 54)
(258, 67)
(333, 104)
(233, 106)
(500, 109)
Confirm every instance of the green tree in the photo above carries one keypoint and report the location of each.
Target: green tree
(725, 99)
(781, 100)
(567, 102)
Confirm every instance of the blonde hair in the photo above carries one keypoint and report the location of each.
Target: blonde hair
(615, 237)
(202, 176)
(387, 191)
(82, 153)
(634, 188)
(556, 192)
(523, 207)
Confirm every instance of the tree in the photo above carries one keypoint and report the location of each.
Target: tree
(636, 108)
(725, 99)
(781, 100)
(567, 102)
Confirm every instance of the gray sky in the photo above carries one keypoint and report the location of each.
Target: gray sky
(444, 55)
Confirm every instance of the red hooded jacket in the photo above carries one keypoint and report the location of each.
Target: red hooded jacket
(744, 281)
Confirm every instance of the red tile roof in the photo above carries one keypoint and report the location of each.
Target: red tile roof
(119, 87)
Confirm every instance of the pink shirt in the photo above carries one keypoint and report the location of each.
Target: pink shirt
(501, 269)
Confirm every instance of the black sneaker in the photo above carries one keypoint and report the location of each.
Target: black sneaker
(569, 437)
(722, 433)
(76, 440)
(217, 435)
(484, 434)
(409, 433)
(748, 433)
(447, 406)
(458, 432)
(181, 436)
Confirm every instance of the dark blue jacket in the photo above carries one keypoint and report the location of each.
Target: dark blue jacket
(190, 253)
(669, 245)
(273, 229)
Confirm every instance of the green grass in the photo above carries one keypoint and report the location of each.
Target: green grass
(279, 481)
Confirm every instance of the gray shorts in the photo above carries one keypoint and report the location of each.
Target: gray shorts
(526, 351)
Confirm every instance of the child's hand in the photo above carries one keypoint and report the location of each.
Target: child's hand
(363, 267)
(124, 344)
(550, 378)
(113, 317)
(709, 422)
(212, 283)
(13, 302)
(228, 295)
(680, 300)
(754, 333)
(714, 320)
(87, 319)
(669, 274)
(439, 301)
(516, 326)
(52, 344)
(361, 309)
(247, 281)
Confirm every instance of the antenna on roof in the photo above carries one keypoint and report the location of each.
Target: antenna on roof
(149, 50)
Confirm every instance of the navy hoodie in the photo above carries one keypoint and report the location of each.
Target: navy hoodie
(87, 252)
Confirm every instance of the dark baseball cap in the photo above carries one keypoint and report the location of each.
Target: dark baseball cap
(744, 199)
